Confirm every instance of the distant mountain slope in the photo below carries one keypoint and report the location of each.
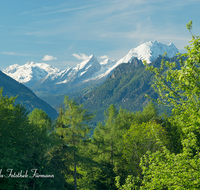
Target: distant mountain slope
(125, 88)
(57, 100)
(25, 95)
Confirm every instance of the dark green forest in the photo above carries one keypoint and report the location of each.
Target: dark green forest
(129, 150)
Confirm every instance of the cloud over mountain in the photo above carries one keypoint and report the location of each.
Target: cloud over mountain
(103, 57)
(48, 58)
(15, 53)
(80, 56)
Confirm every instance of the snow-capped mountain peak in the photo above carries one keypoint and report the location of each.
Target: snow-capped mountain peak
(86, 68)
(149, 51)
(107, 62)
(84, 63)
(30, 72)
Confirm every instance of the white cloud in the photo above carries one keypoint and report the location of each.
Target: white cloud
(66, 10)
(48, 58)
(59, 8)
(80, 56)
(9, 53)
(14, 53)
(103, 57)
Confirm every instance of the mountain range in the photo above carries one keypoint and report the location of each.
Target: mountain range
(95, 84)
(44, 79)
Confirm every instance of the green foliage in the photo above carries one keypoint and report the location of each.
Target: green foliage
(165, 170)
(132, 183)
(12, 126)
(73, 129)
(40, 118)
(23, 146)
(141, 136)
(74, 119)
(107, 143)
(180, 89)
(189, 27)
(149, 113)
(139, 139)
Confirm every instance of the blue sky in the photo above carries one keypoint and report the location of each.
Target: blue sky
(62, 33)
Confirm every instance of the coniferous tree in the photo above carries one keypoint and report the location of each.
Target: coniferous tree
(74, 129)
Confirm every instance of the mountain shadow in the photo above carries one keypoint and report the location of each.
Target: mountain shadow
(25, 96)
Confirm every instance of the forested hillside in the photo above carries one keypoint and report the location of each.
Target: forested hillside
(126, 88)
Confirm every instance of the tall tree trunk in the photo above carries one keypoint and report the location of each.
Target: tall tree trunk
(111, 153)
(75, 184)
(34, 184)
